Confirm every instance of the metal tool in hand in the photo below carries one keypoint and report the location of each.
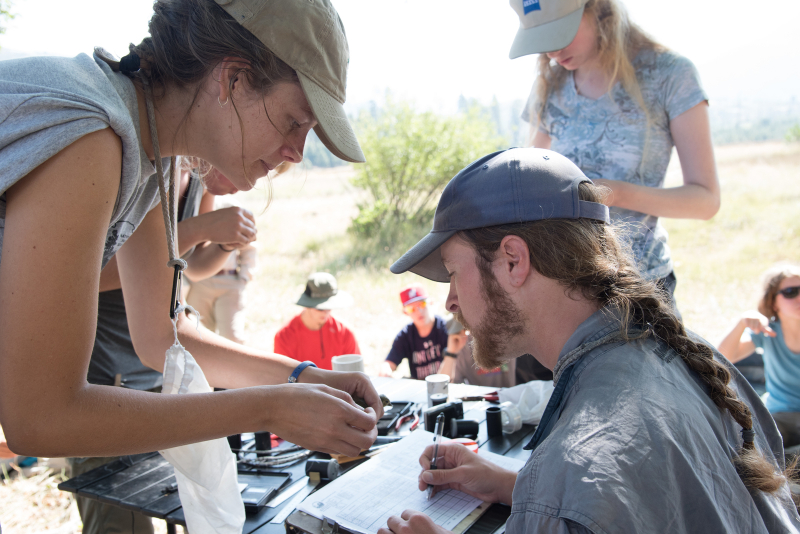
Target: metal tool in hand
(363, 403)
(437, 437)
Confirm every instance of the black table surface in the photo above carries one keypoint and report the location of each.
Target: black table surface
(137, 482)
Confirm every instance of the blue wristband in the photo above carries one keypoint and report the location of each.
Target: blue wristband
(297, 370)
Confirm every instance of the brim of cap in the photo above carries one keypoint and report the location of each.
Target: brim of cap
(333, 127)
(339, 300)
(548, 37)
(415, 299)
(425, 259)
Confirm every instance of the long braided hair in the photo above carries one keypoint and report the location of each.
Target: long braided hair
(585, 256)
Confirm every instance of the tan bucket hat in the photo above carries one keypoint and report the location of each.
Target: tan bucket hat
(545, 25)
(309, 36)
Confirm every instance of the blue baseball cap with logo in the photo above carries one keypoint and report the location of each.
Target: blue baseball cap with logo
(512, 186)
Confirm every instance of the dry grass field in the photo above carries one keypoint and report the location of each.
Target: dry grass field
(718, 265)
(718, 262)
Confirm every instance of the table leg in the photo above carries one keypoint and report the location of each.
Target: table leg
(170, 528)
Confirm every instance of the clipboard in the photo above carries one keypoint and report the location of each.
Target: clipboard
(367, 495)
(486, 519)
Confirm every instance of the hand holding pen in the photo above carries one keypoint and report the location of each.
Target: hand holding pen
(437, 438)
(459, 468)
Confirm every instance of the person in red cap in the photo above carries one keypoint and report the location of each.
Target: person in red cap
(423, 341)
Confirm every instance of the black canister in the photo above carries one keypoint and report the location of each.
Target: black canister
(263, 442)
(438, 398)
(494, 421)
(235, 441)
(327, 469)
(464, 428)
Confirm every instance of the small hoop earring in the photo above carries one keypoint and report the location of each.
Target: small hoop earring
(222, 104)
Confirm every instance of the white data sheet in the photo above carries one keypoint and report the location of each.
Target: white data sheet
(364, 498)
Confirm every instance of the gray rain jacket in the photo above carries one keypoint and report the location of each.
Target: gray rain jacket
(631, 442)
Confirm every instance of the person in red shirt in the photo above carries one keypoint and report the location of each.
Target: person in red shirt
(315, 335)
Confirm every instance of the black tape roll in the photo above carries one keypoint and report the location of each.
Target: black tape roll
(464, 428)
(327, 469)
(438, 398)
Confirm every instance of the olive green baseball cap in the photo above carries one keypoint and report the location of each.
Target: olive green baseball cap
(308, 35)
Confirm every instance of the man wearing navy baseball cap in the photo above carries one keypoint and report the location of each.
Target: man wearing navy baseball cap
(647, 423)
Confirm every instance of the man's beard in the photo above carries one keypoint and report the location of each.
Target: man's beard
(501, 323)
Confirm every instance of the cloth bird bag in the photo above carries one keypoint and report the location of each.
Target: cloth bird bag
(206, 472)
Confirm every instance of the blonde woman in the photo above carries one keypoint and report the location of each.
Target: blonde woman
(615, 102)
(239, 85)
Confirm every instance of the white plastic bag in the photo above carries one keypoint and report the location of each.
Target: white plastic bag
(205, 471)
(531, 398)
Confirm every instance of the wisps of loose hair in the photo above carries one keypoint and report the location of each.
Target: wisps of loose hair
(772, 282)
(586, 258)
(188, 39)
(618, 42)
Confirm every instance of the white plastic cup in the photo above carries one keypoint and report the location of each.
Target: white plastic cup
(510, 417)
(349, 363)
(437, 383)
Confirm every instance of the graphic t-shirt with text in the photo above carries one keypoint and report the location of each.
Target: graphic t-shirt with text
(424, 353)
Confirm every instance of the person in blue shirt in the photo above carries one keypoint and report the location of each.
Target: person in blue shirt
(423, 341)
(774, 328)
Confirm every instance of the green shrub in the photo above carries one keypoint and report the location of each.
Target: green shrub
(411, 156)
(794, 133)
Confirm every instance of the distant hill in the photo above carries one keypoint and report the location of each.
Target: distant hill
(732, 121)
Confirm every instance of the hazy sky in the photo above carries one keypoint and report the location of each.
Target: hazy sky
(434, 50)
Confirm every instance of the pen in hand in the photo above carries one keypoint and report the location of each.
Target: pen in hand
(438, 432)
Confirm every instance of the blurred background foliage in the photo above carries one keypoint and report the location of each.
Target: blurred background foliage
(5, 14)
(411, 155)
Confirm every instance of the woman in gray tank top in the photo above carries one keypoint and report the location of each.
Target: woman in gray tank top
(238, 85)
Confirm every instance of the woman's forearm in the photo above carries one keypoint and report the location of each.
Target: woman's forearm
(111, 421)
(689, 201)
(88, 420)
(225, 364)
(206, 261)
(191, 232)
(731, 345)
(228, 364)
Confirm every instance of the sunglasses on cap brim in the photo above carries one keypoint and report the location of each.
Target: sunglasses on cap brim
(790, 292)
